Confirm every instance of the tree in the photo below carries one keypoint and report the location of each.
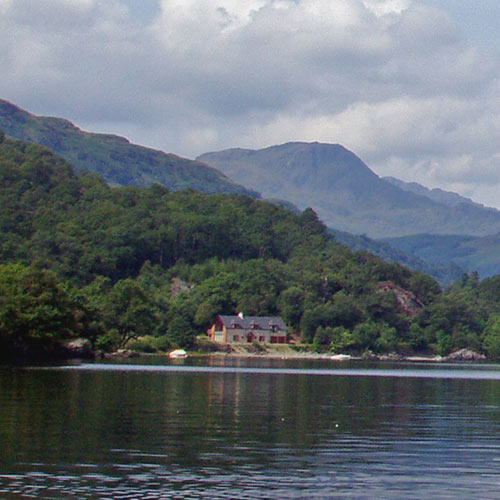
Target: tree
(128, 310)
(491, 340)
(291, 304)
(37, 311)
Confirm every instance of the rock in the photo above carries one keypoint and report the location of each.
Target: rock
(408, 303)
(391, 356)
(79, 348)
(178, 286)
(465, 355)
(122, 353)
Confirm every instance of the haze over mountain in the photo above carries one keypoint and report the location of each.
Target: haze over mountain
(115, 158)
(346, 194)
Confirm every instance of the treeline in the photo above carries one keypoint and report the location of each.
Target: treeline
(81, 259)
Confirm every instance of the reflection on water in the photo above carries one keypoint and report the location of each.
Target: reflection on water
(250, 429)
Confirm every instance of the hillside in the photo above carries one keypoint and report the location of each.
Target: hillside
(443, 270)
(114, 158)
(345, 193)
(467, 252)
(81, 258)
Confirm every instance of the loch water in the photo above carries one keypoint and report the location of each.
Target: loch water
(217, 428)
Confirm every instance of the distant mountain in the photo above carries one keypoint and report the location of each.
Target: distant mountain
(115, 158)
(345, 193)
(438, 195)
(481, 254)
(445, 272)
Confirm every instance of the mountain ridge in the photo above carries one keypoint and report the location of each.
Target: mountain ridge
(118, 160)
(346, 193)
(436, 194)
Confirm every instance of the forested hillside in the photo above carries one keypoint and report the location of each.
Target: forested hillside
(79, 258)
(114, 158)
(445, 271)
(470, 253)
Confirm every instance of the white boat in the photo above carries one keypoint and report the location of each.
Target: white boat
(340, 357)
(177, 353)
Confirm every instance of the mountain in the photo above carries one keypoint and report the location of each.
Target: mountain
(438, 195)
(345, 193)
(115, 158)
(442, 270)
(469, 253)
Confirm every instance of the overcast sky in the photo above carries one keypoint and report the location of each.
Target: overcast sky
(411, 87)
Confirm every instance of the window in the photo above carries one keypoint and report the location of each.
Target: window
(236, 338)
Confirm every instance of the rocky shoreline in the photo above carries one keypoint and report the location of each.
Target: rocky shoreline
(82, 349)
(462, 355)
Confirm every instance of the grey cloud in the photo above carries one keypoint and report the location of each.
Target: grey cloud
(404, 90)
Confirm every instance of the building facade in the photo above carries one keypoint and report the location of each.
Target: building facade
(242, 330)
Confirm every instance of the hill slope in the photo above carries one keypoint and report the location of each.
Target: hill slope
(113, 157)
(442, 270)
(345, 193)
(119, 249)
(470, 253)
(80, 258)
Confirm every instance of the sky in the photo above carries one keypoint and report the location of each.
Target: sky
(410, 86)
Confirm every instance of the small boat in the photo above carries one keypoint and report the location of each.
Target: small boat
(340, 357)
(177, 353)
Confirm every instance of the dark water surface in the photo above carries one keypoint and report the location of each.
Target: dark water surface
(250, 429)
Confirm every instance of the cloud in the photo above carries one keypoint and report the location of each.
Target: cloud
(396, 81)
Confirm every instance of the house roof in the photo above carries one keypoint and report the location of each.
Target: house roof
(254, 322)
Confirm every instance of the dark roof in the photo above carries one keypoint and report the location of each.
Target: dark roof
(254, 322)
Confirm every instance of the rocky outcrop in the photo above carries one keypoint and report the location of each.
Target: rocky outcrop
(178, 286)
(465, 355)
(408, 303)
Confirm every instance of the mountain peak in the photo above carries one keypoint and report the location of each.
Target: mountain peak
(345, 193)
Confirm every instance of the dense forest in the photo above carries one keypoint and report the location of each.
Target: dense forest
(81, 259)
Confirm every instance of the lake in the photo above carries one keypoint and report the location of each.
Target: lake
(254, 428)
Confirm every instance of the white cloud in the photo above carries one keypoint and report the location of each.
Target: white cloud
(394, 80)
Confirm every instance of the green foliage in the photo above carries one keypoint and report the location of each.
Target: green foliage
(457, 253)
(491, 340)
(150, 344)
(38, 313)
(104, 260)
(181, 332)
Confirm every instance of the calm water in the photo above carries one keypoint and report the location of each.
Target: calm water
(250, 429)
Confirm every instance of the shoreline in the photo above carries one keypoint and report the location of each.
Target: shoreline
(464, 355)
